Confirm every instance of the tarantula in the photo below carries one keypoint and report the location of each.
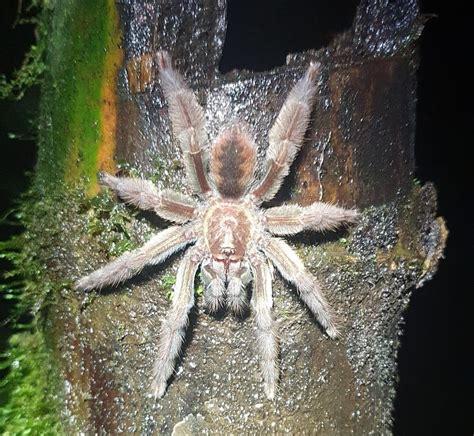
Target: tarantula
(233, 237)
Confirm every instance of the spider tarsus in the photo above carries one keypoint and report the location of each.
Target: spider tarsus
(164, 60)
(213, 304)
(214, 295)
(158, 389)
(81, 284)
(352, 216)
(333, 332)
(236, 304)
(269, 389)
(313, 70)
(104, 178)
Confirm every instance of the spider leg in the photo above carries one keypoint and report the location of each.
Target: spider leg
(264, 325)
(174, 326)
(188, 122)
(291, 219)
(287, 134)
(170, 205)
(236, 295)
(155, 251)
(292, 269)
(214, 292)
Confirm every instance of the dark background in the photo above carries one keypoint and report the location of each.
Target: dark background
(435, 390)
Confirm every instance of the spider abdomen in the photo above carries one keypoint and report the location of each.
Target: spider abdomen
(233, 162)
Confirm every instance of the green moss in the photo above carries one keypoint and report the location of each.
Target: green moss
(199, 291)
(71, 97)
(33, 66)
(29, 400)
(167, 282)
(26, 403)
(110, 222)
(22, 280)
(70, 55)
(401, 251)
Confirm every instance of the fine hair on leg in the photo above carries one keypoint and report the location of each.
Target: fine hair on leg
(167, 204)
(188, 122)
(239, 277)
(287, 134)
(155, 251)
(292, 269)
(236, 295)
(173, 328)
(267, 345)
(290, 219)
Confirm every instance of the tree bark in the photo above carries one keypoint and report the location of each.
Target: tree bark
(359, 152)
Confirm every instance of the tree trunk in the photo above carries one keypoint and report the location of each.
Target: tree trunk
(103, 109)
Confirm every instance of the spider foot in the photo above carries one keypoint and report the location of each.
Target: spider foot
(236, 303)
(158, 389)
(333, 332)
(164, 59)
(269, 388)
(212, 302)
(236, 296)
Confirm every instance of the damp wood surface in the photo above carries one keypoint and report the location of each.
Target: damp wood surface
(359, 152)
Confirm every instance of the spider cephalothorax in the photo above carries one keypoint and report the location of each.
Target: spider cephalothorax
(233, 239)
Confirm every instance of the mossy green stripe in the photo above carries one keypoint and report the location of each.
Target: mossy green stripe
(27, 406)
(71, 101)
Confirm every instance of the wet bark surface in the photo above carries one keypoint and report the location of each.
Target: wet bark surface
(359, 152)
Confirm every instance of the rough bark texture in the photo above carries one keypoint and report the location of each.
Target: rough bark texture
(359, 152)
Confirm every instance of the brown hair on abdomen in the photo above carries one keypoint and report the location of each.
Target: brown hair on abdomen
(232, 162)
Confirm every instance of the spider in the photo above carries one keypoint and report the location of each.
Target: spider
(233, 238)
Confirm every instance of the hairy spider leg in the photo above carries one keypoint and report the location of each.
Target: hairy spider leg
(290, 219)
(287, 134)
(188, 122)
(292, 269)
(167, 204)
(173, 328)
(155, 251)
(267, 346)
